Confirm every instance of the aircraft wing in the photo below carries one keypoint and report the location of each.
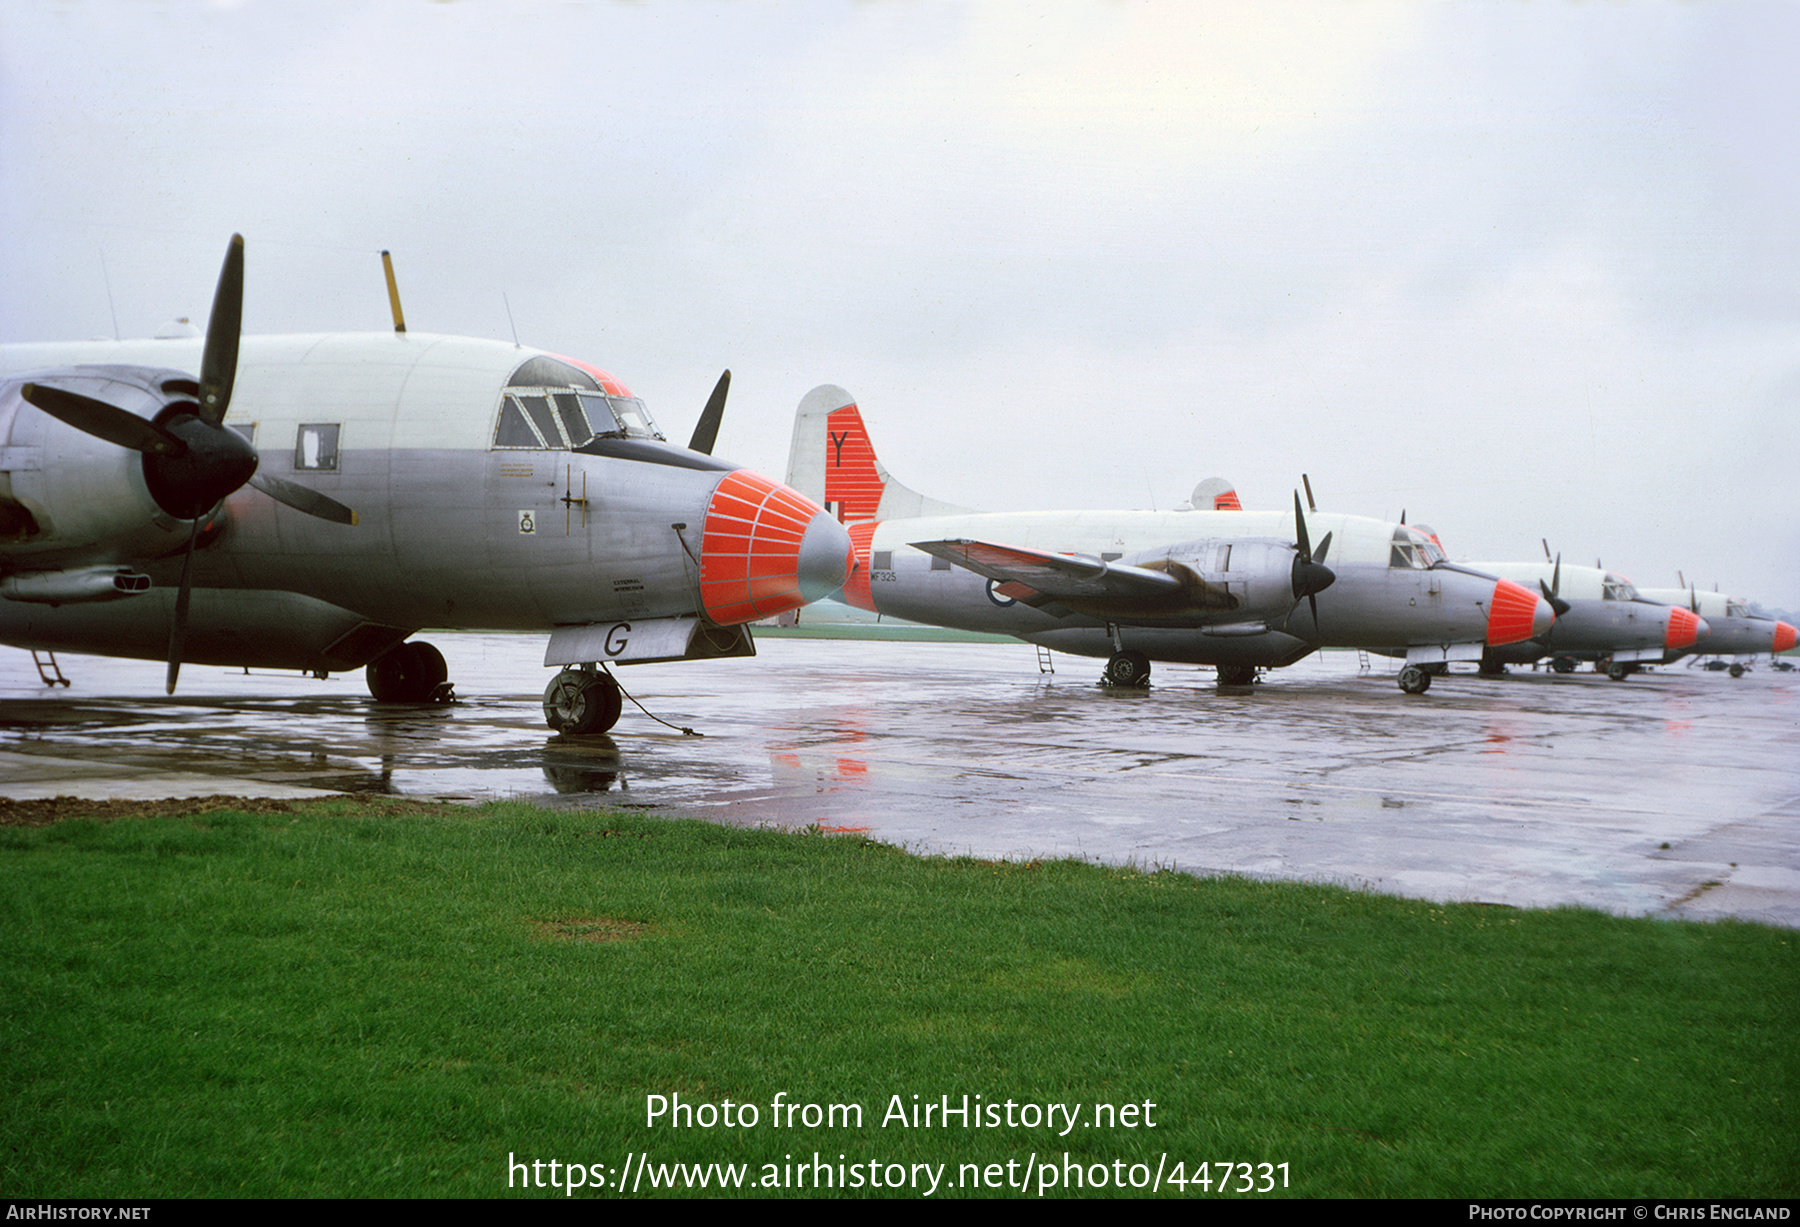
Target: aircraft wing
(1035, 577)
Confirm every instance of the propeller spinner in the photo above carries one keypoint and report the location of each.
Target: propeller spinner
(192, 461)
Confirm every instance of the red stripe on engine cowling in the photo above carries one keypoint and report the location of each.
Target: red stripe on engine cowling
(750, 551)
(1510, 613)
(1684, 628)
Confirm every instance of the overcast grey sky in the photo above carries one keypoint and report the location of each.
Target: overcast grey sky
(1524, 270)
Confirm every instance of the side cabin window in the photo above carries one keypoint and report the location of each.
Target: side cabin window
(551, 406)
(316, 447)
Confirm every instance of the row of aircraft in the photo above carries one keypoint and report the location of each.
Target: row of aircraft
(310, 502)
(1216, 585)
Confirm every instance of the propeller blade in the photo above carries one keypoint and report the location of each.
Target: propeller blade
(178, 630)
(1558, 606)
(1300, 536)
(218, 363)
(1307, 482)
(1325, 545)
(301, 498)
(1556, 576)
(1546, 543)
(706, 430)
(104, 421)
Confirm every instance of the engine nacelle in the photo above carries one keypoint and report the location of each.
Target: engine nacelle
(1229, 580)
(67, 494)
(74, 587)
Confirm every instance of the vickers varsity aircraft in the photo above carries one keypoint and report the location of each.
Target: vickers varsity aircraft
(1235, 589)
(1734, 630)
(1605, 621)
(309, 502)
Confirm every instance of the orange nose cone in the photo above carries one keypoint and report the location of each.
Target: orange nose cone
(1784, 637)
(767, 549)
(1684, 628)
(1514, 613)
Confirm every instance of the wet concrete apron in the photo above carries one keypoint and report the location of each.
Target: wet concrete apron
(1674, 793)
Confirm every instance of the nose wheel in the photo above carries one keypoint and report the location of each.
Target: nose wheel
(582, 701)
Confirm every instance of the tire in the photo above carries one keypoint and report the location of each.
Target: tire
(1415, 680)
(1617, 671)
(1562, 664)
(1237, 675)
(408, 673)
(577, 702)
(1737, 670)
(1128, 669)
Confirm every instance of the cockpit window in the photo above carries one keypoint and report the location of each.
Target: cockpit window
(1736, 609)
(552, 406)
(1412, 548)
(1617, 588)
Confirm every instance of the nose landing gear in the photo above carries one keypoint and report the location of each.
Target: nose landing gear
(1415, 680)
(584, 700)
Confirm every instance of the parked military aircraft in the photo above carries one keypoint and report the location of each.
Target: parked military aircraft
(1235, 589)
(1734, 630)
(423, 481)
(1605, 621)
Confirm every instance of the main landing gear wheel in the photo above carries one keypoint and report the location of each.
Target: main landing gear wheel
(1415, 680)
(1237, 675)
(1737, 670)
(1618, 671)
(1490, 667)
(410, 673)
(577, 701)
(1562, 664)
(1128, 669)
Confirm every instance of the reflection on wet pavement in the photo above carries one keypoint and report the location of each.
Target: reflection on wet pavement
(1672, 793)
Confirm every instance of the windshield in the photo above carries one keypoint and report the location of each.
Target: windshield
(551, 405)
(1412, 548)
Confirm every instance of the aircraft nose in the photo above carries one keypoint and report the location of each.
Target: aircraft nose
(1515, 614)
(1785, 636)
(767, 549)
(1685, 628)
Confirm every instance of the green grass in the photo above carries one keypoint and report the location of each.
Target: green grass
(344, 1001)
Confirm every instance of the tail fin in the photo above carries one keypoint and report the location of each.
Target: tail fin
(832, 462)
(1215, 494)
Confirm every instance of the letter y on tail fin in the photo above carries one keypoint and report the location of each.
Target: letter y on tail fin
(832, 461)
